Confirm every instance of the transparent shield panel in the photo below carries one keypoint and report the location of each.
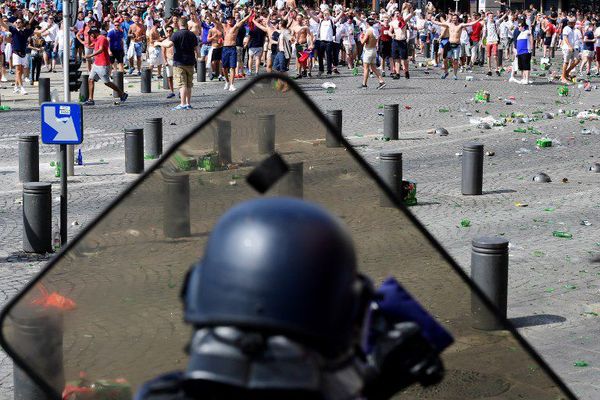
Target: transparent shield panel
(109, 308)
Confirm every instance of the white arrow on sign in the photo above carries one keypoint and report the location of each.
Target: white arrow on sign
(64, 127)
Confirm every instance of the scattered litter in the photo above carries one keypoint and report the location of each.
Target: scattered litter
(441, 132)
(520, 130)
(18, 201)
(490, 153)
(542, 177)
(75, 223)
(562, 234)
(484, 125)
(465, 223)
(517, 204)
(232, 183)
(133, 232)
(538, 253)
(550, 290)
(548, 116)
(444, 110)
(586, 131)
(580, 364)
(563, 90)
(468, 78)
(407, 107)
(585, 222)
(595, 167)
(329, 87)
(565, 180)
(544, 142)
(588, 115)
(482, 96)
(172, 123)
(549, 209)
(571, 287)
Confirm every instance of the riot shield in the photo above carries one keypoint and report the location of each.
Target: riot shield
(108, 308)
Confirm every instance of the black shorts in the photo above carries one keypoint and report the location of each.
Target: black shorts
(385, 48)
(524, 62)
(78, 44)
(117, 56)
(217, 54)
(548, 41)
(399, 49)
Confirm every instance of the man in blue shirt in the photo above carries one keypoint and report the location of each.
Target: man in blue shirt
(20, 36)
(115, 45)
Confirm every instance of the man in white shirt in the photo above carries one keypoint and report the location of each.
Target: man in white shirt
(570, 53)
(325, 39)
(597, 35)
(50, 37)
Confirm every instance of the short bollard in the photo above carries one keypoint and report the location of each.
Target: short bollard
(176, 205)
(134, 150)
(146, 82)
(38, 338)
(292, 184)
(472, 169)
(153, 138)
(201, 75)
(84, 89)
(222, 144)
(500, 56)
(390, 121)
(29, 158)
(335, 116)
(44, 93)
(266, 134)
(37, 217)
(489, 271)
(390, 170)
(118, 81)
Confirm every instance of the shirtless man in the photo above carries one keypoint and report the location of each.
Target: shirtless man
(301, 35)
(167, 51)
(215, 38)
(155, 56)
(369, 55)
(444, 45)
(229, 56)
(454, 31)
(195, 26)
(137, 31)
(398, 31)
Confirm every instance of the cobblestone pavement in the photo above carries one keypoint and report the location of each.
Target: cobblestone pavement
(553, 295)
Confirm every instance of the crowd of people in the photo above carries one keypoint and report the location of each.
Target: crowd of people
(236, 39)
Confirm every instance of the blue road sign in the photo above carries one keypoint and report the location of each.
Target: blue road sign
(62, 123)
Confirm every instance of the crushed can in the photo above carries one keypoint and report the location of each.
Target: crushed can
(184, 163)
(409, 192)
(209, 162)
(563, 90)
(103, 389)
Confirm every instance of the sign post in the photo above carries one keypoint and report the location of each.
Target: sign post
(67, 11)
(62, 124)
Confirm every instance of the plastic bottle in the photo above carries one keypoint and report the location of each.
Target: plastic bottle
(562, 234)
(57, 170)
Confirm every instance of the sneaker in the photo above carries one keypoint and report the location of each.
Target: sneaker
(130, 72)
(139, 73)
(16, 89)
(188, 107)
(523, 82)
(530, 82)
(381, 85)
(513, 80)
(226, 86)
(444, 75)
(407, 75)
(363, 87)
(3, 79)
(159, 77)
(299, 76)
(212, 76)
(489, 73)
(170, 95)
(221, 78)
(179, 107)
(27, 80)
(89, 103)
(124, 97)
(23, 91)
(383, 73)
(396, 76)
(455, 77)
(232, 88)
(310, 74)
(335, 71)
(498, 73)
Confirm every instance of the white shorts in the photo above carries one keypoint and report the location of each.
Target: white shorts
(88, 51)
(570, 55)
(369, 56)
(587, 53)
(155, 59)
(349, 48)
(16, 60)
(169, 68)
(99, 73)
(255, 51)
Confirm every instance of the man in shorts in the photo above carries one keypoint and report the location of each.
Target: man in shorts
(570, 54)
(369, 55)
(101, 68)
(167, 51)
(492, 37)
(116, 51)
(20, 36)
(83, 36)
(229, 55)
(184, 60)
(137, 32)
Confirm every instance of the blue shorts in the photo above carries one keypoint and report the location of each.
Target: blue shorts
(229, 57)
(138, 49)
(280, 64)
(205, 49)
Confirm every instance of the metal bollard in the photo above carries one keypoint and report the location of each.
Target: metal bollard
(472, 169)
(266, 134)
(84, 89)
(29, 158)
(176, 205)
(146, 82)
(489, 271)
(222, 141)
(118, 81)
(165, 79)
(153, 137)
(292, 184)
(38, 336)
(134, 150)
(427, 50)
(44, 93)
(390, 170)
(335, 116)
(37, 217)
(390, 121)
(500, 57)
(201, 75)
